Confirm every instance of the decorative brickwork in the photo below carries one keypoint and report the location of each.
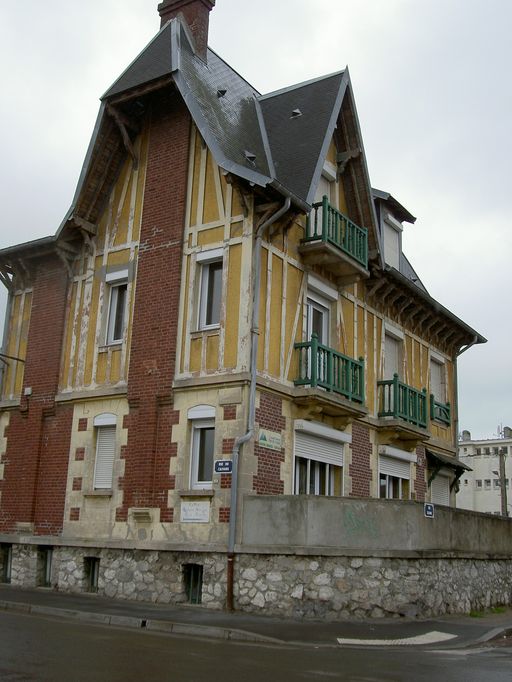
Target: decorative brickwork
(35, 473)
(225, 480)
(269, 416)
(224, 513)
(227, 445)
(82, 424)
(420, 484)
(74, 514)
(229, 412)
(77, 483)
(79, 454)
(360, 469)
(153, 344)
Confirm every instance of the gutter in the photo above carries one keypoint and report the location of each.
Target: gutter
(252, 398)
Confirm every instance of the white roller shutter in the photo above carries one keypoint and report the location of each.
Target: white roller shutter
(440, 490)
(320, 449)
(105, 453)
(394, 467)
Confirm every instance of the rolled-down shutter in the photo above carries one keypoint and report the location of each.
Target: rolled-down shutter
(105, 453)
(394, 467)
(440, 490)
(320, 449)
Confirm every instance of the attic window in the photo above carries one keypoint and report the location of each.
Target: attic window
(250, 157)
(296, 113)
(221, 92)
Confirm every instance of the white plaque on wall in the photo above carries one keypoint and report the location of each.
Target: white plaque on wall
(195, 512)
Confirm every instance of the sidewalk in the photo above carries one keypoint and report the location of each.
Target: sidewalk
(445, 632)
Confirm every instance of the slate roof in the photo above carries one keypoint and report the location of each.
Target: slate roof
(299, 141)
(254, 136)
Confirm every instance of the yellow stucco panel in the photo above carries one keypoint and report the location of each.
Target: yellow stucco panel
(276, 312)
(211, 236)
(232, 307)
(212, 352)
(212, 194)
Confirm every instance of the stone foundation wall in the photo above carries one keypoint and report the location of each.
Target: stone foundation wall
(337, 588)
(333, 588)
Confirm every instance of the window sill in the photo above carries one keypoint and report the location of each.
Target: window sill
(197, 492)
(115, 345)
(107, 492)
(209, 331)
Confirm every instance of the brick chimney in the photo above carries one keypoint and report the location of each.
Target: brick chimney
(197, 15)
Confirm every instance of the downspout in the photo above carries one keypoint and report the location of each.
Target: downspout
(456, 397)
(252, 398)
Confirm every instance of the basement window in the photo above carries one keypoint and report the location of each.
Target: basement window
(193, 582)
(44, 566)
(91, 573)
(5, 562)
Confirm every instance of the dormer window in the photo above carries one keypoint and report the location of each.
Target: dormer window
(392, 229)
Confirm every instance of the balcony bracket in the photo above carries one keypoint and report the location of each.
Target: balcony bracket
(399, 433)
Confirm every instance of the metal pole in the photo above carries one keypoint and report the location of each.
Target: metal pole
(503, 487)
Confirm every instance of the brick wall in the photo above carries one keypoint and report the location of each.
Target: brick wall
(360, 468)
(269, 416)
(153, 346)
(36, 458)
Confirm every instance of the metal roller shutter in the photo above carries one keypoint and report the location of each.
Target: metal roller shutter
(440, 490)
(105, 453)
(319, 449)
(394, 467)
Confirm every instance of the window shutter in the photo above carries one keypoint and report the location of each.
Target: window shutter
(318, 449)
(440, 490)
(105, 453)
(394, 467)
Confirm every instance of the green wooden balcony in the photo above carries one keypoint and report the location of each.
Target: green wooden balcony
(440, 412)
(335, 241)
(322, 366)
(400, 401)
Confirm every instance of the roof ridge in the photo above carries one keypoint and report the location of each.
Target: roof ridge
(256, 91)
(296, 86)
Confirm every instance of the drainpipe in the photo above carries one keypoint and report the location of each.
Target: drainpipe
(252, 398)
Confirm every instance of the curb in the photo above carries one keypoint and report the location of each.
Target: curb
(153, 625)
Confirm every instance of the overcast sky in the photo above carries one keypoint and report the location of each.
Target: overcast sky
(432, 88)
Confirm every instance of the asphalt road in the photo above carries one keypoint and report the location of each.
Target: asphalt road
(35, 648)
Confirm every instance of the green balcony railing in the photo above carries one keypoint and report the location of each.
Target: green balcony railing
(401, 401)
(327, 224)
(440, 411)
(322, 366)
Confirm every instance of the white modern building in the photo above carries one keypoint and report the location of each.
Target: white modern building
(480, 489)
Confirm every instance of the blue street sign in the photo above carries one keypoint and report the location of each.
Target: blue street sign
(223, 466)
(429, 510)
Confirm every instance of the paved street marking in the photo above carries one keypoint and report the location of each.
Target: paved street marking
(427, 638)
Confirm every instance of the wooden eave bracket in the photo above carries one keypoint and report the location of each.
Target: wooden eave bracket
(121, 122)
(343, 158)
(6, 276)
(67, 256)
